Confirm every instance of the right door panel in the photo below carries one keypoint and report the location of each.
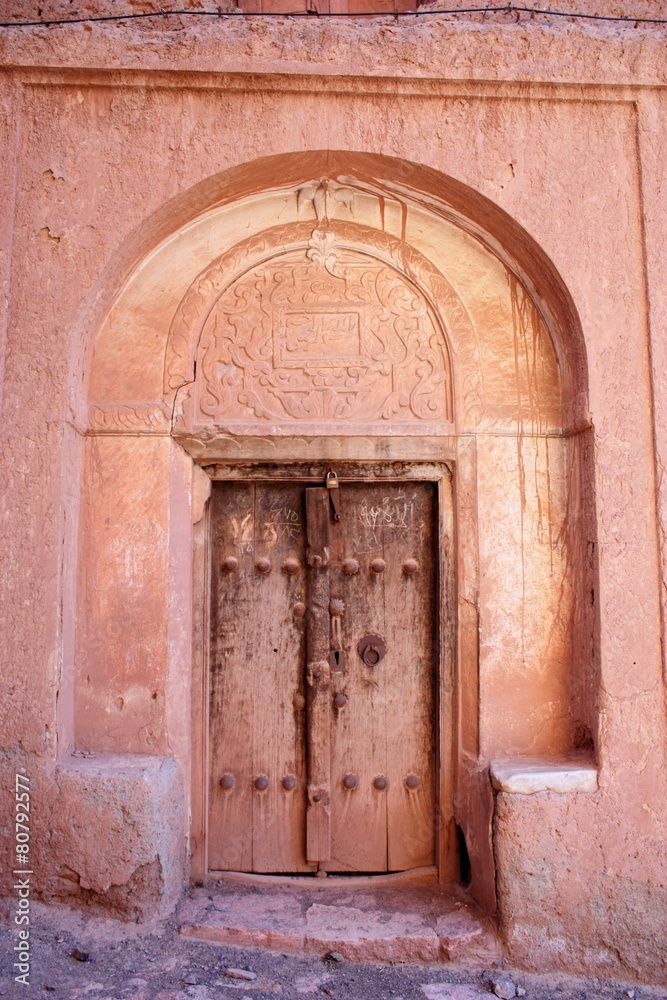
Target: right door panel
(383, 557)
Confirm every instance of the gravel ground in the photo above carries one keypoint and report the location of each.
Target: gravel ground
(142, 963)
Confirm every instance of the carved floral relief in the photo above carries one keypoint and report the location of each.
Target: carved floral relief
(325, 335)
(129, 418)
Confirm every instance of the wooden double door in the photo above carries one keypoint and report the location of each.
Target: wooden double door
(322, 676)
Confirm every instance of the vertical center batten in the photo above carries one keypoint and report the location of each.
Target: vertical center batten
(318, 815)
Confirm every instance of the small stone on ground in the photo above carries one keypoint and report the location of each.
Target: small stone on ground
(503, 987)
(241, 974)
(452, 991)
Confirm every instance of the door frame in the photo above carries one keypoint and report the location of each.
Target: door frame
(312, 472)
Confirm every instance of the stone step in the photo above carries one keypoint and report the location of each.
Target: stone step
(393, 923)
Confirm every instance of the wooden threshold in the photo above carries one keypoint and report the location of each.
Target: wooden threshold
(416, 876)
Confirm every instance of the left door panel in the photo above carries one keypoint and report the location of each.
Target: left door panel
(257, 795)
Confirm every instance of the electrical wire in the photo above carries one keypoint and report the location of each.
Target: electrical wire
(504, 9)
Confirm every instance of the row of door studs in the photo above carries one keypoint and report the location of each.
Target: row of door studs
(289, 782)
(292, 566)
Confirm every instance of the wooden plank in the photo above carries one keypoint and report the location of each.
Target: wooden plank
(447, 834)
(359, 728)
(232, 634)
(471, 811)
(200, 680)
(274, 672)
(318, 817)
(411, 544)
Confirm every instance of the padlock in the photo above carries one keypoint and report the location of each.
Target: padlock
(334, 495)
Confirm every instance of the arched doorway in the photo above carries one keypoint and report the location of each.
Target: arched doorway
(358, 325)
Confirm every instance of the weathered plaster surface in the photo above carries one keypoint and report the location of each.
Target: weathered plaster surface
(427, 48)
(127, 539)
(652, 149)
(554, 859)
(118, 833)
(525, 638)
(114, 140)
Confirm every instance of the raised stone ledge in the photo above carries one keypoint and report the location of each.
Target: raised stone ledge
(239, 50)
(118, 834)
(528, 775)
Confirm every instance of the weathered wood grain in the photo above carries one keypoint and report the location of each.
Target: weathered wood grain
(348, 738)
(359, 740)
(257, 655)
(318, 678)
(411, 538)
(274, 673)
(231, 722)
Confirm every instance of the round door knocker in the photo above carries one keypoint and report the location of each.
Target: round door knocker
(371, 649)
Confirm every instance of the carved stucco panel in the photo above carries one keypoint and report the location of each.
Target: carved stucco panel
(323, 337)
(335, 327)
(129, 418)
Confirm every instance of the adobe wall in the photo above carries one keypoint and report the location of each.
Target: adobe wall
(117, 137)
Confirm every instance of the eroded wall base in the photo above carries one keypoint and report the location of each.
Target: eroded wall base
(116, 825)
(572, 891)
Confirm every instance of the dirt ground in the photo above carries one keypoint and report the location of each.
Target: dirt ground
(155, 963)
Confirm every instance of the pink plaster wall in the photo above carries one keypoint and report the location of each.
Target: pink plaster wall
(122, 662)
(110, 141)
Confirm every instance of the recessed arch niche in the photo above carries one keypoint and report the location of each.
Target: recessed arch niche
(363, 308)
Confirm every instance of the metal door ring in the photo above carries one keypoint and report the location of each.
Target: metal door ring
(371, 649)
